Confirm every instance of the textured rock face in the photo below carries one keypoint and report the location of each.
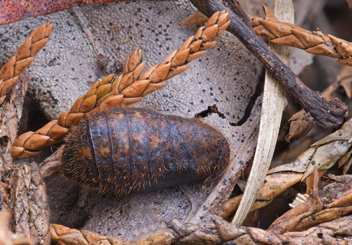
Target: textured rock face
(64, 70)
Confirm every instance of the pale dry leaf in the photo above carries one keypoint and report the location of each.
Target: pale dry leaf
(323, 154)
(271, 114)
(310, 212)
(6, 236)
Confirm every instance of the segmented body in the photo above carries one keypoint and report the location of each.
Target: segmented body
(124, 150)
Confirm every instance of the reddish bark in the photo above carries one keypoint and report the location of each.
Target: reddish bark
(15, 10)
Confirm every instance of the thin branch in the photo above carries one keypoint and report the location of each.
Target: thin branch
(327, 115)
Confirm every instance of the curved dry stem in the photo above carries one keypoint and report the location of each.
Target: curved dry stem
(271, 114)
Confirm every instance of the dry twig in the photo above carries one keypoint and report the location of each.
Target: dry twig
(23, 57)
(127, 88)
(301, 122)
(327, 115)
(290, 35)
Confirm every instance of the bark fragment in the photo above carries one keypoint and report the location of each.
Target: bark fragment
(30, 209)
(12, 11)
(25, 189)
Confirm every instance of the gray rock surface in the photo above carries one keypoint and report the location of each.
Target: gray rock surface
(64, 70)
(67, 66)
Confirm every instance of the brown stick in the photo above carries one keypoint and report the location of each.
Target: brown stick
(327, 115)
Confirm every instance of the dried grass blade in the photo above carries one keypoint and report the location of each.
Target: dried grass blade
(273, 105)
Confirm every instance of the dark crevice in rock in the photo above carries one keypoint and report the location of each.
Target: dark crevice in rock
(258, 91)
(33, 117)
(211, 109)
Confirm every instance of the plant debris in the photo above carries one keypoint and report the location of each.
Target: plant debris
(322, 154)
(6, 236)
(23, 57)
(301, 122)
(25, 190)
(310, 41)
(270, 120)
(327, 115)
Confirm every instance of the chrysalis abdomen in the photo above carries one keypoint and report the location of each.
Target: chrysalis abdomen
(129, 149)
